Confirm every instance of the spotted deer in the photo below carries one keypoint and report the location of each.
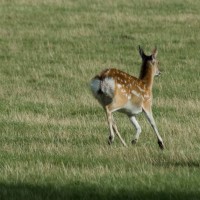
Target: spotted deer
(118, 91)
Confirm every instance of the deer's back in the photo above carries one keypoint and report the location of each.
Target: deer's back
(119, 90)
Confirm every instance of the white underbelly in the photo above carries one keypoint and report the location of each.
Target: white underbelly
(130, 109)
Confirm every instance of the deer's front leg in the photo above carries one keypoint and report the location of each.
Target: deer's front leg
(153, 124)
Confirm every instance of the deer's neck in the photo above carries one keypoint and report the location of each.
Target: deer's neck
(147, 75)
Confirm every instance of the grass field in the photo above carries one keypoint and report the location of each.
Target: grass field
(53, 133)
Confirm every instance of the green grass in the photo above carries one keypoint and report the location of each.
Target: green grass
(53, 133)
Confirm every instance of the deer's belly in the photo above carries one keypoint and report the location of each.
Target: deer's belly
(131, 109)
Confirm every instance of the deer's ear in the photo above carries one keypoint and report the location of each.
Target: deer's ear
(142, 54)
(154, 52)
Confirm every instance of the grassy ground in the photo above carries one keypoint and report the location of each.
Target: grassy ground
(53, 133)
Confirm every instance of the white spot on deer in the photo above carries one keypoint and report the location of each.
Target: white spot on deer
(135, 93)
(119, 85)
(141, 90)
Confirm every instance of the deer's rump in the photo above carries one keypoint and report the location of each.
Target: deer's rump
(103, 89)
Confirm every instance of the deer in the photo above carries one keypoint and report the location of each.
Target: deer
(118, 91)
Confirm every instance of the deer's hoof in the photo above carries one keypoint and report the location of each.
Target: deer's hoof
(110, 140)
(134, 141)
(161, 145)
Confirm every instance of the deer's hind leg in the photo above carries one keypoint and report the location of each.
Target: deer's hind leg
(110, 124)
(117, 132)
(113, 128)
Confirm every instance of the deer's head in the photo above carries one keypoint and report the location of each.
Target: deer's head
(150, 61)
